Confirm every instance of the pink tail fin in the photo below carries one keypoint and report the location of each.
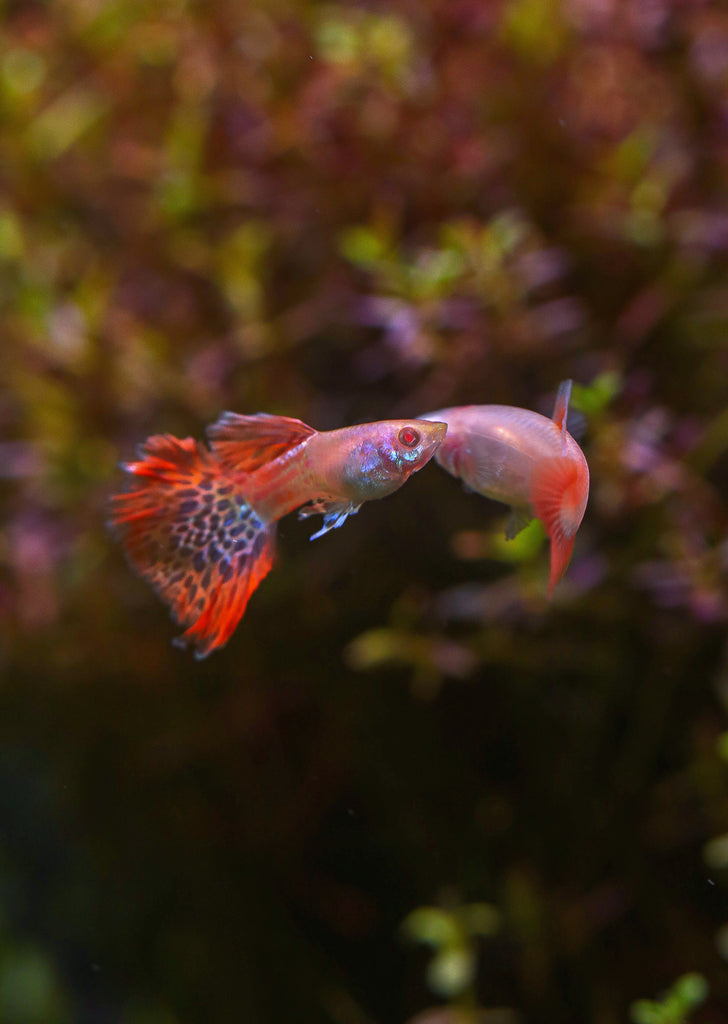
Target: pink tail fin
(558, 495)
(188, 530)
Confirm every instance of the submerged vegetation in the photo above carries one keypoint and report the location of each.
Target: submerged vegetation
(344, 213)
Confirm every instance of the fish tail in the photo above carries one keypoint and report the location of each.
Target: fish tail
(559, 493)
(189, 530)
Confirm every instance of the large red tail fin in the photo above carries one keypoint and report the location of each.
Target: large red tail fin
(189, 531)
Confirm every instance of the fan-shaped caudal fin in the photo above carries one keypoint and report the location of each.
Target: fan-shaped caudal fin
(188, 530)
(561, 410)
(245, 443)
(558, 495)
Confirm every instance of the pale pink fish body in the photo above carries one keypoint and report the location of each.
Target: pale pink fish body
(335, 470)
(525, 460)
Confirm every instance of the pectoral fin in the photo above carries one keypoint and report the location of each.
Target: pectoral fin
(245, 443)
(517, 521)
(335, 514)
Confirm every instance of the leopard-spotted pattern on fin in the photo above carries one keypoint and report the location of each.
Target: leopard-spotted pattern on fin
(197, 541)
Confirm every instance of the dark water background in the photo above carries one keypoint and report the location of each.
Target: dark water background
(348, 212)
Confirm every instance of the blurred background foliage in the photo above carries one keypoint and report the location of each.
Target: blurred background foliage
(345, 212)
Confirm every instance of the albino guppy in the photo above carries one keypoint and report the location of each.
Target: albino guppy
(525, 460)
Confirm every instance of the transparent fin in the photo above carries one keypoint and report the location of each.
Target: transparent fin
(518, 520)
(335, 514)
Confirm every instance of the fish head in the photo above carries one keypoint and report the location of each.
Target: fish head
(386, 453)
(455, 454)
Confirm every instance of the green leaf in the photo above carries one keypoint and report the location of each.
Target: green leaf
(432, 926)
(30, 992)
(593, 398)
(675, 1006)
(64, 122)
(535, 29)
(715, 852)
(691, 990)
(520, 548)
(11, 236)
(451, 972)
(22, 71)
(337, 41)
(362, 246)
(644, 1012)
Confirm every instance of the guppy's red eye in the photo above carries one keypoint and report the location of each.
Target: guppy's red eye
(409, 437)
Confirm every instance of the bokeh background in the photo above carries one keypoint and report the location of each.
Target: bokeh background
(410, 788)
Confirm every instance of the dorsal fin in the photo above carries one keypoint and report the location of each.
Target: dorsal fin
(245, 443)
(561, 409)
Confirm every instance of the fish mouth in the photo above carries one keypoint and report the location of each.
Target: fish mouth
(438, 429)
(433, 434)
